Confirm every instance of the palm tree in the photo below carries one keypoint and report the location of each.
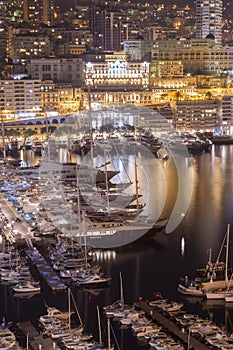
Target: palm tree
(28, 133)
(178, 96)
(208, 95)
(51, 129)
(12, 133)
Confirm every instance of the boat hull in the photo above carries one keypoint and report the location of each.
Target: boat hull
(229, 299)
(190, 290)
(120, 236)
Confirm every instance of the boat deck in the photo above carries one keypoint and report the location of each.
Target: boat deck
(35, 340)
(170, 326)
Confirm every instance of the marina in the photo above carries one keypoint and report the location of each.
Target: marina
(189, 341)
(137, 252)
(34, 339)
(45, 270)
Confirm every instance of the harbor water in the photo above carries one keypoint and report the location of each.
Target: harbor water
(154, 265)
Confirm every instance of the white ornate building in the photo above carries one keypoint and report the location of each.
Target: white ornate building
(116, 70)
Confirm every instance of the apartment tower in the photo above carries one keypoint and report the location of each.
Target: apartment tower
(209, 19)
(39, 11)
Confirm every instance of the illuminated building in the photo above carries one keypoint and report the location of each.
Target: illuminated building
(201, 115)
(38, 11)
(166, 69)
(71, 39)
(23, 97)
(48, 12)
(23, 46)
(198, 56)
(3, 28)
(107, 28)
(59, 97)
(227, 113)
(209, 19)
(113, 69)
(137, 49)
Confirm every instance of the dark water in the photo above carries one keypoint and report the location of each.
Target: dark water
(157, 264)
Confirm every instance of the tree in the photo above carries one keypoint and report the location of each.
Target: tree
(208, 95)
(51, 129)
(178, 96)
(12, 133)
(28, 133)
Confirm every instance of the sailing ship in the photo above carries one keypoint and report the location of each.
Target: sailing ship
(67, 172)
(224, 282)
(111, 226)
(214, 276)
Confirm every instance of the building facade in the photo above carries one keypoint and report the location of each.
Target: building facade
(166, 69)
(39, 11)
(200, 115)
(20, 97)
(107, 28)
(197, 56)
(113, 69)
(227, 114)
(209, 19)
(21, 47)
(64, 69)
(137, 49)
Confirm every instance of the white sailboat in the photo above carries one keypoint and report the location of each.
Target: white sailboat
(27, 287)
(223, 290)
(118, 308)
(229, 297)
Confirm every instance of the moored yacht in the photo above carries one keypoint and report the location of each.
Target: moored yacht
(26, 286)
(214, 276)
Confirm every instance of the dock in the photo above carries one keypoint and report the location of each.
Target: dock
(45, 270)
(170, 326)
(35, 340)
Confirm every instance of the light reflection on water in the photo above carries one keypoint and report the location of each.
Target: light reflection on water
(156, 265)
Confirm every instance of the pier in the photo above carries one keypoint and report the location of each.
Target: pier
(45, 270)
(35, 340)
(170, 326)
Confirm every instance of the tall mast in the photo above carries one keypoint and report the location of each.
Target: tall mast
(91, 129)
(121, 291)
(106, 182)
(78, 195)
(85, 237)
(79, 317)
(3, 138)
(99, 325)
(69, 307)
(210, 255)
(136, 184)
(109, 339)
(227, 252)
(219, 254)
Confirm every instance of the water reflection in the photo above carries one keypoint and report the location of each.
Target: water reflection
(157, 264)
(182, 246)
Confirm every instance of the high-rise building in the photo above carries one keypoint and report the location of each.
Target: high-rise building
(3, 28)
(107, 28)
(39, 11)
(209, 19)
(48, 12)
